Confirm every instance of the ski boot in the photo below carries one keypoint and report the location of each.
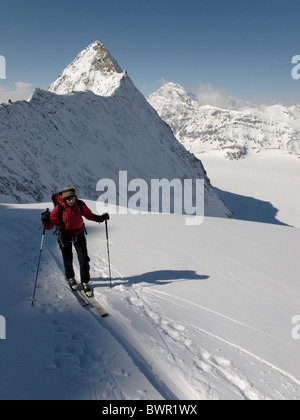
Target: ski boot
(73, 284)
(87, 289)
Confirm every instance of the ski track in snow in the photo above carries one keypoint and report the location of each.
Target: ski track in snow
(206, 373)
(89, 361)
(79, 358)
(227, 342)
(109, 359)
(210, 374)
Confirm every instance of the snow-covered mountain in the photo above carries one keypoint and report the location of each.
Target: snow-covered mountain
(93, 69)
(91, 124)
(233, 131)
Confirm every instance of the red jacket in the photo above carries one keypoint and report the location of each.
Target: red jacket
(71, 217)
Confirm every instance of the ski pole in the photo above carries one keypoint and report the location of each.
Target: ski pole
(107, 244)
(38, 267)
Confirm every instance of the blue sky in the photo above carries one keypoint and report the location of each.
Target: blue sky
(241, 47)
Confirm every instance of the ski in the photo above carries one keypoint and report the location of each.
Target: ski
(88, 301)
(81, 298)
(74, 288)
(94, 304)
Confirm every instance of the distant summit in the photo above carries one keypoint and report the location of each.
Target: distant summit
(93, 69)
(203, 127)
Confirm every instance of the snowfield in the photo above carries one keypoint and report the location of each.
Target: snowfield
(262, 187)
(196, 312)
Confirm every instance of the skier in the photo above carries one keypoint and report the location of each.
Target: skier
(67, 215)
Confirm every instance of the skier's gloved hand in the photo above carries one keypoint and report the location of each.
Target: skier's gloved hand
(45, 216)
(102, 218)
(105, 216)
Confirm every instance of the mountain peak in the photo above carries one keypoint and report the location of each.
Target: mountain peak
(101, 59)
(171, 92)
(93, 69)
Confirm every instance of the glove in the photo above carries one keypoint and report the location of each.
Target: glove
(102, 218)
(45, 216)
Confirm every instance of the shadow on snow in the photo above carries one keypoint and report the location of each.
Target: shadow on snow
(249, 208)
(156, 277)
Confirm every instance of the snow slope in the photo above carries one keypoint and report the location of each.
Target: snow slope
(197, 312)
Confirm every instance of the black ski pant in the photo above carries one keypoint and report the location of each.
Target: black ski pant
(79, 242)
